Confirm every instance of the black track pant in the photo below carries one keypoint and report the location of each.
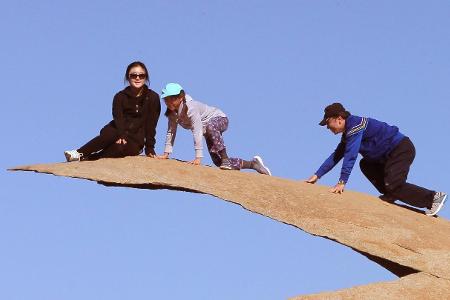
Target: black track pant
(390, 177)
(104, 145)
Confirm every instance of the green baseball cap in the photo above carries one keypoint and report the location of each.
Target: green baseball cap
(171, 89)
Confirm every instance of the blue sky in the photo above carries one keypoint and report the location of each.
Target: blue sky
(271, 67)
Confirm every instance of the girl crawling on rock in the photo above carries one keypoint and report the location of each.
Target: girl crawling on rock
(202, 120)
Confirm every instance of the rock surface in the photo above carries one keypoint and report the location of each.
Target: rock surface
(398, 239)
(416, 286)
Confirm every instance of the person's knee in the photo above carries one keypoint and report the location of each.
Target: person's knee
(109, 133)
(209, 129)
(392, 187)
(362, 164)
(364, 167)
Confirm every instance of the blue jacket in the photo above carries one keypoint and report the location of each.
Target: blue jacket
(372, 138)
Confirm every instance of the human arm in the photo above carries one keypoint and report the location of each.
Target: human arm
(338, 188)
(118, 116)
(197, 161)
(330, 162)
(352, 146)
(313, 179)
(171, 134)
(165, 155)
(197, 132)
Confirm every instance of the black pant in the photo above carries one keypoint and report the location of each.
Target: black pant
(390, 177)
(104, 146)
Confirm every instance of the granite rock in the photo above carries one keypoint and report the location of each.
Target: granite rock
(393, 236)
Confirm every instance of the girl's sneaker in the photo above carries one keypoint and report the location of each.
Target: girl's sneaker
(226, 165)
(73, 155)
(259, 166)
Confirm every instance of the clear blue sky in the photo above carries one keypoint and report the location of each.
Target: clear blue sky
(271, 66)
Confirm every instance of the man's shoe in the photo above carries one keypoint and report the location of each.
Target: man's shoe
(438, 203)
(73, 155)
(387, 198)
(259, 166)
(226, 165)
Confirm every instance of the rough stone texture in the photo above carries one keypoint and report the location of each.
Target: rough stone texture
(416, 286)
(397, 238)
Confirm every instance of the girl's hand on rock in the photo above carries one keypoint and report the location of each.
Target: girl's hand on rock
(163, 156)
(197, 161)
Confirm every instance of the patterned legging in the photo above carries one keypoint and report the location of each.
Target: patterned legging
(214, 140)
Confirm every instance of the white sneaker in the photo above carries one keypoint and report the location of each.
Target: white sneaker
(73, 155)
(438, 203)
(259, 166)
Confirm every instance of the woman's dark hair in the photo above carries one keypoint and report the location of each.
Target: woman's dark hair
(136, 64)
(168, 110)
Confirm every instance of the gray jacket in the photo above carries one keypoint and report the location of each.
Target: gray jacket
(191, 115)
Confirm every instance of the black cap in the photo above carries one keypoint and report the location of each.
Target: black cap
(332, 110)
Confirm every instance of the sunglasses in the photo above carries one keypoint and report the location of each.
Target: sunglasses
(136, 76)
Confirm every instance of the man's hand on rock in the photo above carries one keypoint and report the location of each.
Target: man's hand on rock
(338, 188)
(313, 179)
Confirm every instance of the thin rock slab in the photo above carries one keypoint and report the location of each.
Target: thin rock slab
(417, 286)
(397, 238)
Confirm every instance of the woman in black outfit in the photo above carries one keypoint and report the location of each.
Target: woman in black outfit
(136, 110)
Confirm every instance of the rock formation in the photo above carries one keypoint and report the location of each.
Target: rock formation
(398, 239)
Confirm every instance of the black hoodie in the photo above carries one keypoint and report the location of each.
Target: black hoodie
(136, 118)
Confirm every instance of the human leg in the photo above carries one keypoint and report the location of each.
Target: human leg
(374, 172)
(395, 175)
(107, 137)
(216, 145)
(257, 164)
(218, 152)
(119, 150)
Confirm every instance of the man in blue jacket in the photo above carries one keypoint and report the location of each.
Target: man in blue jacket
(387, 157)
